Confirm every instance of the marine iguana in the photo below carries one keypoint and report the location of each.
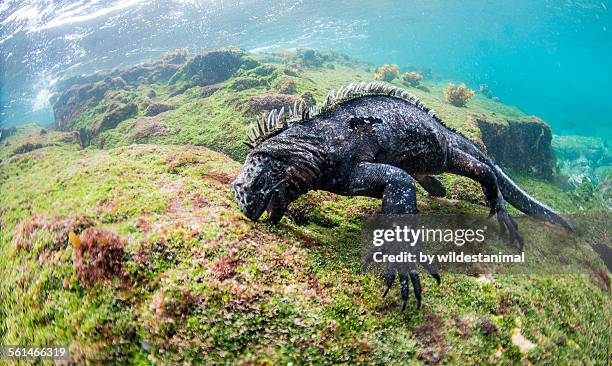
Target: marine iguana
(370, 139)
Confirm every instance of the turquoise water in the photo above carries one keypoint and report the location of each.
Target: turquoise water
(549, 58)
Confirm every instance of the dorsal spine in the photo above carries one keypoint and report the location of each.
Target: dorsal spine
(277, 120)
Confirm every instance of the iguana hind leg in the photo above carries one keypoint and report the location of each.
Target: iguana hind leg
(466, 165)
(398, 193)
(431, 184)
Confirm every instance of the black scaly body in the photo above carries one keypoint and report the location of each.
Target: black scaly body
(370, 139)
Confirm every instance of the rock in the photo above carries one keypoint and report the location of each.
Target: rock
(78, 98)
(605, 190)
(522, 144)
(307, 57)
(68, 82)
(309, 99)
(208, 90)
(162, 72)
(113, 118)
(572, 147)
(115, 82)
(132, 75)
(83, 92)
(37, 139)
(581, 157)
(213, 67)
(145, 127)
(518, 339)
(263, 70)
(154, 107)
(27, 147)
(423, 88)
(6, 132)
(286, 85)
(260, 103)
(247, 82)
(181, 89)
(70, 104)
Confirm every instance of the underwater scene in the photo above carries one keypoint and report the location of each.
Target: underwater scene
(201, 182)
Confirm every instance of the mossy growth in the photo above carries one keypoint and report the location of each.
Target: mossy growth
(31, 137)
(183, 277)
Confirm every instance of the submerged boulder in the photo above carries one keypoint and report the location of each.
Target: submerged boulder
(522, 144)
(154, 107)
(582, 157)
(261, 103)
(147, 127)
(29, 138)
(286, 85)
(71, 103)
(213, 67)
(114, 117)
(6, 132)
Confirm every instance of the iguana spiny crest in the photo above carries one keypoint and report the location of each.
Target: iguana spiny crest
(278, 120)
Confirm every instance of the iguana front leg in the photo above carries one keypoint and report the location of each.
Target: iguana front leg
(398, 193)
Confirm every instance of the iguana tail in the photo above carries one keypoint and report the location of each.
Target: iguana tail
(527, 204)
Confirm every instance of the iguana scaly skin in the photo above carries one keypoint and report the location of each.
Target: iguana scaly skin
(370, 139)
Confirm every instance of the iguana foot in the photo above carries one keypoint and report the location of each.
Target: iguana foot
(405, 272)
(506, 222)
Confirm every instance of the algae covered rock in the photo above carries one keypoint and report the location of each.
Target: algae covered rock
(248, 82)
(155, 107)
(309, 98)
(166, 268)
(521, 144)
(145, 128)
(213, 67)
(261, 103)
(308, 57)
(111, 119)
(27, 138)
(582, 157)
(285, 85)
(6, 132)
(71, 103)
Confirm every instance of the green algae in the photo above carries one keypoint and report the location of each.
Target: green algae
(206, 285)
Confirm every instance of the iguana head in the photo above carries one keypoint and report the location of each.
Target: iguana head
(260, 187)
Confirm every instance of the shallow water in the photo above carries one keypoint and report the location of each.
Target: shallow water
(549, 58)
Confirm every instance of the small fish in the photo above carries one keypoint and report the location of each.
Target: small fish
(74, 239)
